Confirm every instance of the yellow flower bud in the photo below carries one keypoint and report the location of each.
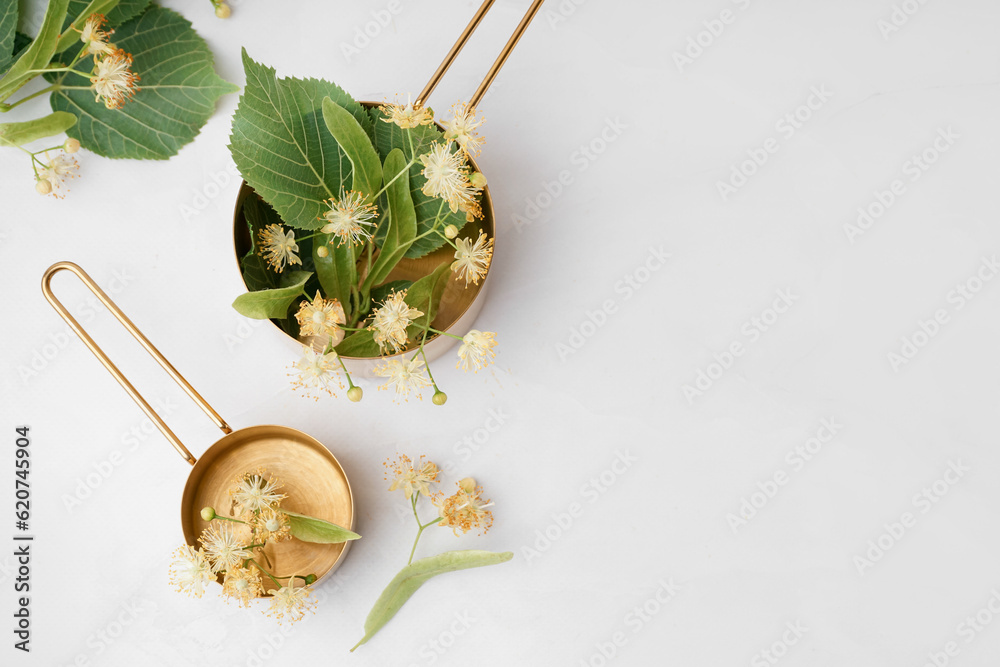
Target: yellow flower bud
(223, 11)
(451, 231)
(477, 179)
(355, 394)
(322, 251)
(208, 513)
(71, 145)
(440, 398)
(43, 187)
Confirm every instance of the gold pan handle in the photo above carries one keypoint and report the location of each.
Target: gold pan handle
(108, 364)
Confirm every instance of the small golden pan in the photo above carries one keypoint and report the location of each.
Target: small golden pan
(314, 481)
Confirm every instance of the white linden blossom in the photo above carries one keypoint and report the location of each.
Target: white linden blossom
(462, 129)
(191, 572)
(223, 548)
(390, 321)
(316, 370)
(95, 37)
(278, 247)
(113, 79)
(59, 168)
(350, 218)
(291, 602)
(472, 260)
(243, 584)
(404, 376)
(320, 317)
(255, 492)
(448, 177)
(406, 115)
(476, 350)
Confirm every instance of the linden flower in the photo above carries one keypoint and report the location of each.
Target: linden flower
(472, 260)
(223, 548)
(50, 179)
(277, 247)
(243, 584)
(273, 524)
(411, 478)
(476, 350)
(349, 217)
(255, 491)
(291, 602)
(390, 322)
(404, 376)
(407, 115)
(191, 572)
(462, 129)
(447, 176)
(466, 509)
(113, 79)
(95, 37)
(320, 317)
(316, 370)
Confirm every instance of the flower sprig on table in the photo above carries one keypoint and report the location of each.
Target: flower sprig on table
(403, 188)
(462, 511)
(235, 548)
(84, 57)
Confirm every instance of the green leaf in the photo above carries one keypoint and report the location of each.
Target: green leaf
(317, 531)
(400, 220)
(355, 142)
(256, 273)
(427, 290)
(413, 576)
(17, 134)
(177, 95)
(359, 344)
(389, 136)
(282, 146)
(337, 271)
(272, 303)
(8, 28)
(39, 52)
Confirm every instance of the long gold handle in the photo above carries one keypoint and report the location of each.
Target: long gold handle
(450, 58)
(502, 58)
(108, 364)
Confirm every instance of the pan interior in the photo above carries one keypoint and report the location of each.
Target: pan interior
(313, 480)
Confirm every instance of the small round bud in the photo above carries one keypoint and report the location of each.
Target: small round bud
(440, 398)
(451, 231)
(322, 251)
(43, 187)
(310, 578)
(477, 179)
(208, 513)
(272, 525)
(71, 145)
(355, 394)
(223, 11)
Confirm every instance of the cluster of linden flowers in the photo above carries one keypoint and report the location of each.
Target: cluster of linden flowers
(111, 80)
(233, 547)
(351, 219)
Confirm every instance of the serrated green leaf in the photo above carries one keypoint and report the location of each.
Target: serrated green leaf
(355, 142)
(177, 94)
(359, 344)
(400, 220)
(413, 576)
(317, 531)
(115, 11)
(39, 52)
(425, 295)
(273, 303)
(282, 147)
(8, 29)
(17, 134)
(389, 136)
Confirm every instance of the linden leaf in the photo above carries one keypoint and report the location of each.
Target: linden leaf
(399, 220)
(273, 303)
(115, 11)
(177, 95)
(8, 28)
(282, 147)
(17, 134)
(413, 576)
(317, 531)
(39, 52)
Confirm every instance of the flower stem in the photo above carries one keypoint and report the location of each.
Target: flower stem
(350, 383)
(226, 518)
(444, 333)
(270, 576)
(8, 107)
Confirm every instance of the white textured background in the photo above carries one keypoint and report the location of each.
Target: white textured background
(655, 565)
